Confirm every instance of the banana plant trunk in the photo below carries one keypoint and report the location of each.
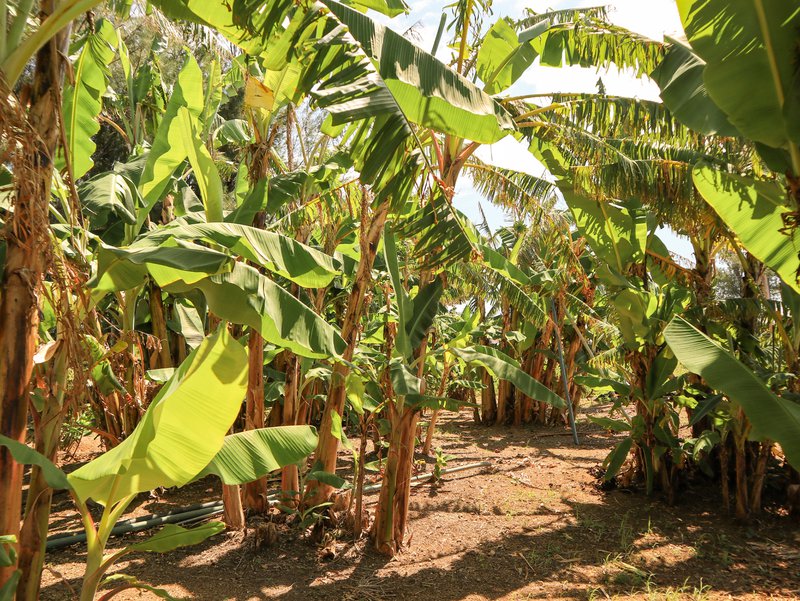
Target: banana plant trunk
(543, 343)
(159, 323)
(521, 400)
(426, 448)
(34, 127)
(290, 475)
(328, 446)
(255, 493)
(391, 514)
(33, 534)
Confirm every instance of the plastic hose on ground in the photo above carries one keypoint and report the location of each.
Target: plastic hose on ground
(203, 510)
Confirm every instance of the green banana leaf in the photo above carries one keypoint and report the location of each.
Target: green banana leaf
(683, 90)
(234, 291)
(404, 308)
(297, 262)
(616, 235)
(753, 211)
(634, 310)
(182, 430)
(108, 194)
(771, 416)
(502, 58)
(224, 17)
(616, 458)
(247, 456)
(597, 44)
(424, 307)
(172, 537)
(187, 128)
(126, 268)
(750, 50)
(25, 455)
(603, 384)
(119, 580)
(426, 91)
(212, 98)
(442, 235)
(404, 383)
(390, 8)
(504, 367)
(83, 99)
(245, 296)
(498, 263)
(169, 151)
(187, 320)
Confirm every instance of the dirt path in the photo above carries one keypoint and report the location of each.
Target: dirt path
(534, 526)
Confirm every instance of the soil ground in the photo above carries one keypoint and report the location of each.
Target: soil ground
(535, 525)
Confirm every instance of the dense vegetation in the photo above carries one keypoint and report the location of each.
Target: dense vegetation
(229, 242)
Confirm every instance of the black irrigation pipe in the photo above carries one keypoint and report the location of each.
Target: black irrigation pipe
(203, 510)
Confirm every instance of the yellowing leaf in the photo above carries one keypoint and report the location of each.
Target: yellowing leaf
(257, 95)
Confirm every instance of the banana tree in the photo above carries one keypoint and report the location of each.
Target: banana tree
(643, 298)
(31, 125)
(405, 389)
(166, 450)
(771, 417)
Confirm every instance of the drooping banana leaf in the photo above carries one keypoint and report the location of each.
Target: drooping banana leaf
(442, 234)
(428, 92)
(504, 367)
(753, 211)
(683, 90)
(25, 455)
(596, 43)
(280, 254)
(172, 537)
(108, 194)
(126, 268)
(182, 430)
(247, 456)
(771, 416)
(245, 296)
(750, 50)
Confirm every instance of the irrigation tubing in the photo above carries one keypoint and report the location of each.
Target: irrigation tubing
(200, 511)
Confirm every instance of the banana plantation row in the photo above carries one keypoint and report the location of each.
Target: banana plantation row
(229, 241)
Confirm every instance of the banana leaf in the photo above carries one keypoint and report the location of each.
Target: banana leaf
(771, 416)
(182, 430)
(754, 211)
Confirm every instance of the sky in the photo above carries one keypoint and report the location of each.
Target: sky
(652, 18)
